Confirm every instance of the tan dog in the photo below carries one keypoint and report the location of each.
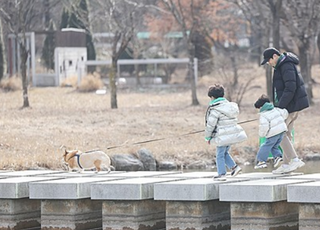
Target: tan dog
(87, 160)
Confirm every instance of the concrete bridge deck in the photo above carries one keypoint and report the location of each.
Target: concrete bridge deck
(148, 200)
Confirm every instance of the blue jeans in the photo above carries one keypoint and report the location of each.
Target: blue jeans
(270, 145)
(223, 159)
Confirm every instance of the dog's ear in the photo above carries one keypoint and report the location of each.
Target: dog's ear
(65, 152)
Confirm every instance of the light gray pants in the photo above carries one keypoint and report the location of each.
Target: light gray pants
(286, 144)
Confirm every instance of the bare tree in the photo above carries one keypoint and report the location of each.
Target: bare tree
(302, 20)
(185, 16)
(138, 45)
(20, 17)
(275, 9)
(225, 22)
(119, 18)
(263, 26)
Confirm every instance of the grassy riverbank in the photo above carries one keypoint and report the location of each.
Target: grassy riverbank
(32, 137)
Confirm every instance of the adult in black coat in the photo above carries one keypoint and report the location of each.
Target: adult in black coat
(288, 93)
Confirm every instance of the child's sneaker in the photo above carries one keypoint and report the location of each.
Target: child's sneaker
(235, 170)
(220, 177)
(277, 161)
(261, 165)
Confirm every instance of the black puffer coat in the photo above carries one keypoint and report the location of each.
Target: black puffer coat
(288, 87)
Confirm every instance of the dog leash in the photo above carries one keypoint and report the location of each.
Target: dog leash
(164, 138)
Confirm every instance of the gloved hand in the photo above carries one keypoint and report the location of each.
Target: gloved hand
(208, 139)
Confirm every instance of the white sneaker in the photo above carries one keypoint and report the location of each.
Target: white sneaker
(296, 164)
(261, 165)
(220, 178)
(277, 161)
(282, 170)
(236, 170)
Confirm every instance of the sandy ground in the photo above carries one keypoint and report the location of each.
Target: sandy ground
(32, 138)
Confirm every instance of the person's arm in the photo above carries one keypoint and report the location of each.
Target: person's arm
(284, 113)
(211, 124)
(264, 126)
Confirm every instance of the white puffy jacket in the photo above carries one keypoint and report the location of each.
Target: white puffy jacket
(221, 123)
(272, 120)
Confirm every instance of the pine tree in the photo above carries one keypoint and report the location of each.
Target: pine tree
(64, 19)
(80, 21)
(91, 53)
(48, 48)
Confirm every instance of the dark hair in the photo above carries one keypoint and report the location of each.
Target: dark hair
(260, 102)
(216, 91)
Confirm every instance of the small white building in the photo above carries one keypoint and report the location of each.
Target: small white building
(70, 53)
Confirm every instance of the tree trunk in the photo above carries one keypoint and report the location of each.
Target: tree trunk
(23, 57)
(276, 10)
(235, 70)
(305, 72)
(23, 66)
(2, 53)
(137, 73)
(192, 75)
(112, 83)
(46, 13)
(269, 81)
(269, 70)
(318, 44)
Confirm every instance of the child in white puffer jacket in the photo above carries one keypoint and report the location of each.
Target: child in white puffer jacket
(272, 126)
(221, 129)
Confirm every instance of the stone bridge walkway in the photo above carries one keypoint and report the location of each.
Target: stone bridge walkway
(149, 200)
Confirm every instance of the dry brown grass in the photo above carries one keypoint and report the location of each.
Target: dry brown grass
(32, 137)
(90, 83)
(11, 83)
(70, 82)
